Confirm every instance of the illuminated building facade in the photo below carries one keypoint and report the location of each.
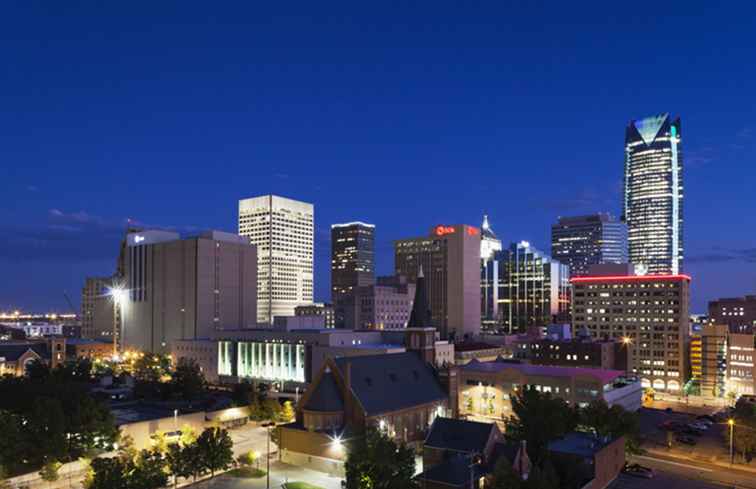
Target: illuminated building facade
(740, 363)
(490, 253)
(352, 262)
(97, 309)
(450, 260)
(530, 289)
(385, 304)
(283, 231)
(713, 360)
(186, 288)
(582, 241)
(648, 313)
(739, 313)
(653, 194)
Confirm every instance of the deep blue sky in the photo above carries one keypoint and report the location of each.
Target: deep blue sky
(401, 115)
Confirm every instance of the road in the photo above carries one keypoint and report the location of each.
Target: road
(674, 474)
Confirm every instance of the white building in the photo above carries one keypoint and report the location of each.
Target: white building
(283, 231)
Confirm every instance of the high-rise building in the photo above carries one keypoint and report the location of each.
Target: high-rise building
(735, 312)
(100, 318)
(490, 251)
(283, 231)
(352, 263)
(531, 290)
(180, 289)
(648, 313)
(450, 260)
(653, 194)
(582, 241)
(713, 376)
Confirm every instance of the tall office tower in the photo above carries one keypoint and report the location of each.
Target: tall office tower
(582, 241)
(352, 263)
(100, 318)
(383, 305)
(450, 260)
(283, 231)
(649, 313)
(533, 290)
(490, 254)
(653, 200)
(182, 289)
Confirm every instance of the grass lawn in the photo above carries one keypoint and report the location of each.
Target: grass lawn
(247, 473)
(301, 485)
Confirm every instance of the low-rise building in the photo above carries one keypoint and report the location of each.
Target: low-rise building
(398, 394)
(88, 348)
(318, 309)
(384, 305)
(483, 390)
(740, 363)
(578, 352)
(598, 461)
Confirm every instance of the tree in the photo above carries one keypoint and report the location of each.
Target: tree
(187, 380)
(612, 422)
(49, 471)
(374, 461)
(188, 435)
(149, 472)
(215, 449)
(159, 441)
(538, 419)
(37, 370)
(504, 476)
(194, 458)
(150, 367)
(178, 463)
(247, 459)
(287, 413)
(109, 473)
(242, 394)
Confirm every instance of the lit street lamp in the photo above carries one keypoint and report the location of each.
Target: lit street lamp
(731, 422)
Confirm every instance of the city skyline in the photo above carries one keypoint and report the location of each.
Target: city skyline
(382, 130)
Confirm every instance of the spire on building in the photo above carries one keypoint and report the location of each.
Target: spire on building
(420, 316)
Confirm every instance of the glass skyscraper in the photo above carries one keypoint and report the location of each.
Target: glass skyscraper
(653, 194)
(582, 241)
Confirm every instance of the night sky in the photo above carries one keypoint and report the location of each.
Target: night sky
(402, 116)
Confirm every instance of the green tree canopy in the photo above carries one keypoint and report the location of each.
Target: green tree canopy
(375, 461)
(215, 449)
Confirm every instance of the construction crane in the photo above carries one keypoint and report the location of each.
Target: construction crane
(70, 304)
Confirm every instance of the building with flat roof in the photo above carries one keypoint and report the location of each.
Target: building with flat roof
(735, 312)
(578, 352)
(352, 262)
(653, 194)
(385, 304)
(186, 288)
(283, 231)
(484, 389)
(450, 260)
(524, 290)
(582, 241)
(98, 309)
(318, 309)
(649, 313)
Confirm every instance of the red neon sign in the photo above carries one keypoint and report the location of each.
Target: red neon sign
(444, 230)
(472, 231)
(637, 278)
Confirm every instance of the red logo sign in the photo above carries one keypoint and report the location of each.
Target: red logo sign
(444, 230)
(472, 231)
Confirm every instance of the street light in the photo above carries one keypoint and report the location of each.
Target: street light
(267, 475)
(731, 422)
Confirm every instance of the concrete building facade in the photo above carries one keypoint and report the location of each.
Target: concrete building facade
(735, 312)
(186, 288)
(384, 305)
(450, 259)
(649, 313)
(283, 231)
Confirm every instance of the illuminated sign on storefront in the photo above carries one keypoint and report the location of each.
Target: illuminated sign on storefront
(444, 230)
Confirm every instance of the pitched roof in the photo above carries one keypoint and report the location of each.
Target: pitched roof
(326, 397)
(13, 351)
(459, 435)
(420, 317)
(452, 472)
(390, 382)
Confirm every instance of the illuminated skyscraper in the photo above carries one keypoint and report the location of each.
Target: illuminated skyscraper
(283, 231)
(352, 262)
(653, 194)
(582, 241)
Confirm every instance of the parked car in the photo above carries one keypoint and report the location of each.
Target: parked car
(699, 426)
(686, 440)
(689, 430)
(706, 418)
(637, 470)
(668, 410)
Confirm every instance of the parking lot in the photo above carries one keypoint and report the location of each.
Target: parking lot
(711, 445)
(662, 480)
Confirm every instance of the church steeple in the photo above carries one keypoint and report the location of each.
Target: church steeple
(420, 316)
